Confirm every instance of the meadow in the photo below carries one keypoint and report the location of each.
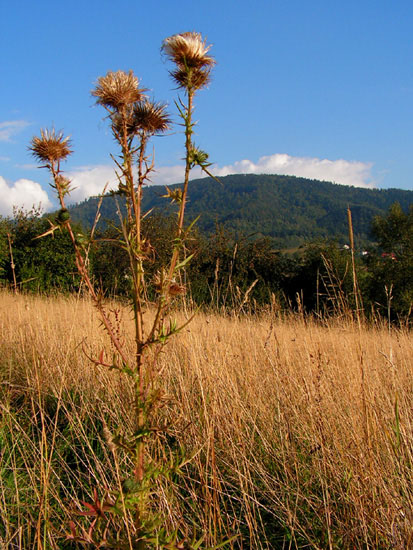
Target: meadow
(299, 430)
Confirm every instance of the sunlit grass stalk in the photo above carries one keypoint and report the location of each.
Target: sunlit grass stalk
(273, 414)
(12, 264)
(356, 291)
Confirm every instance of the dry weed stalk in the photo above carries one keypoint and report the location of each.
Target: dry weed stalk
(12, 264)
(134, 120)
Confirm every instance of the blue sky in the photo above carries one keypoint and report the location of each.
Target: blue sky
(322, 89)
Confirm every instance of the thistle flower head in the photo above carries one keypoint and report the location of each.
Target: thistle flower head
(50, 147)
(191, 79)
(189, 52)
(150, 118)
(143, 117)
(188, 49)
(117, 90)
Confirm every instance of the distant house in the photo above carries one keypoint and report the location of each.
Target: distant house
(389, 256)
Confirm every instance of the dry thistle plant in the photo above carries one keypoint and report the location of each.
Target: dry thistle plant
(134, 120)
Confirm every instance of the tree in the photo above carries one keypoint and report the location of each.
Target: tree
(40, 265)
(392, 265)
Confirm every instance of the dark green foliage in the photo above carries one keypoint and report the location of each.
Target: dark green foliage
(51, 419)
(110, 262)
(258, 215)
(224, 269)
(220, 272)
(225, 264)
(292, 211)
(391, 266)
(41, 264)
(5, 229)
(323, 278)
(394, 232)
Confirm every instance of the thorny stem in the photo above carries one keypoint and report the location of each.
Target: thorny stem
(136, 246)
(188, 144)
(12, 265)
(135, 252)
(80, 264)
(138, 288)
(136, 264)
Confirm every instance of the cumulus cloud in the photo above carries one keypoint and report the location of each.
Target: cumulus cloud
(90, 181)
(168, 175)
(339, 171)
(22, 193)
(10, 128)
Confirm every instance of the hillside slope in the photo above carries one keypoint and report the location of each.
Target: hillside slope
(290, 210)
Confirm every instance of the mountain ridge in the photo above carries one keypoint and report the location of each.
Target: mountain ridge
(290, 210)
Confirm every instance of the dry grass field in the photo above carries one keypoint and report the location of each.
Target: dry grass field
(301, 431)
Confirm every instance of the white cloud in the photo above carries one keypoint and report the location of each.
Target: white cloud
(89, 181)
(345, 172)
(22, 193)
(10, 128)
(339, 171)
(168, 175)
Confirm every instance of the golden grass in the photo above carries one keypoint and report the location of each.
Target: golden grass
(302, 432)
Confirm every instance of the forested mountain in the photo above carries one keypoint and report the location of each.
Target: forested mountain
(290, 210)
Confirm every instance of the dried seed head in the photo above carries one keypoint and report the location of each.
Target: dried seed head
(188, 50)
(143, 117)
(150, 118)
(109, 438)
(175, 289)
(192, 79)
(172, 289)
(117, 90)
(50, 147)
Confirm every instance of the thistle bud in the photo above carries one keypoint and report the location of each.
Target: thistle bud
(63, 216)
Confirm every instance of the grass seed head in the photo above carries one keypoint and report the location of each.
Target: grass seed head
(50, 147)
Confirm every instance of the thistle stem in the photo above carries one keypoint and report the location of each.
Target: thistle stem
(188, 146)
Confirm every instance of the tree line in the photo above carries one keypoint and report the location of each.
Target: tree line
(290, 210)
(225, 270)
